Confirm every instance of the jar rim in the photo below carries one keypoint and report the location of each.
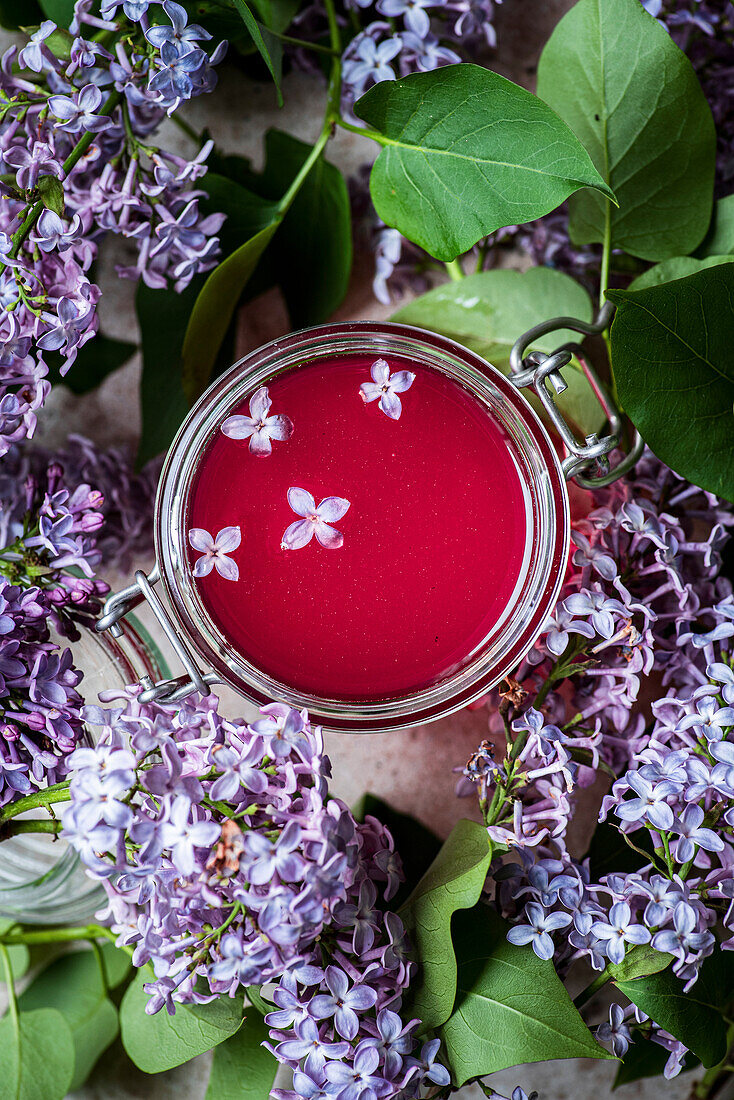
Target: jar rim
(522, 621)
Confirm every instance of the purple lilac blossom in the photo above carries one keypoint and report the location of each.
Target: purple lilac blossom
(121, 183)
(643, 602)
(192, 822)
(48, 558)
(126, 497)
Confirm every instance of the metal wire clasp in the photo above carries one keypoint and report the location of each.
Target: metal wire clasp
(120, 604)
(542, 373)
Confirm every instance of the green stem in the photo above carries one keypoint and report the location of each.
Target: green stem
(58, 935)
(290, 41)
(12, 1002)
(14, 828)
(606, 255)
(373, 135)
(455, 270)
(331, 116)
(44, 798)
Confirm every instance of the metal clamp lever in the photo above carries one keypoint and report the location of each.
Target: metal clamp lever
(542, 373)
(120, 604)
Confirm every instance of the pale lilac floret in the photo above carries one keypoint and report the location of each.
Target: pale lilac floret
(537, 930)
(215, 552)
(316, 521)
(692, 835)
(386, 387)
(258, 427)
(619, 930)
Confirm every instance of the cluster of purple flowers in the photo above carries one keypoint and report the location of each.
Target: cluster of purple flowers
(76, 124)
(643, 597)
(47, 583)
(223, 860)
(124, 499)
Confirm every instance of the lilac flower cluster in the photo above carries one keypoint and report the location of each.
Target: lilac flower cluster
(223, 860)
(337, 1023)
(76, 120)
(124, 498)
(643, 597)
(47, 530)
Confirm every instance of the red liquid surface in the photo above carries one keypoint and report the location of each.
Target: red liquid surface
(434, 539)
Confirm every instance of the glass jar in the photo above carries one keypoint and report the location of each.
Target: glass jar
(41, 878)
(210, 656)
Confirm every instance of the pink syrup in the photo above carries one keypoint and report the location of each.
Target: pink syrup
(434, 539)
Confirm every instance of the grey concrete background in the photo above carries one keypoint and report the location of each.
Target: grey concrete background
(413, 769)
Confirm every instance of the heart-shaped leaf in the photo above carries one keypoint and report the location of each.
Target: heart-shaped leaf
(672, 362)
(159, 1042)
(465, 152)
(676, 268)
(511, 1007)
(719, 241)
(313, 248)
(73, 986)
(242, 1068)
(614, 74)
(453, 881)
(37, 1058)
(488, 311)
(695, 1017)
(216, 302)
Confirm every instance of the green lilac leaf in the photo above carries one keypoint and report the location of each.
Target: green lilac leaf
(95, 361)
(676, 268)
(18, 953)
(61, 11)
(253, 993)
(242, 1069)
(511, 1007)
(267, 46)
(465, 152)
(488, 311)
(646, 1059)
(453, 881)
(672, 363)
(640, 961)
(117, 965)
(313, 249)
(719, 241)
(277, 15)
(630, 95)
(694, 1017)
(160, 1042)
(15, 14)
(37, 1062)
(51, 191)
(418, 846)
(73, 986)
(162, 317)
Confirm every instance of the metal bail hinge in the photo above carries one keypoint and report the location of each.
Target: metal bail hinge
(119, 604)
(542, 373)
